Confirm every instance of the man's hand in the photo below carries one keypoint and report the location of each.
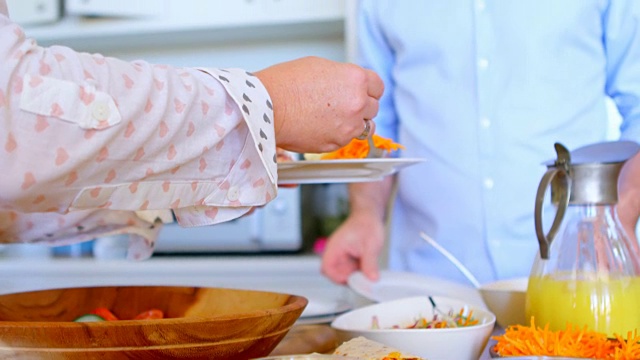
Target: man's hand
(358, 242)
(355, 245)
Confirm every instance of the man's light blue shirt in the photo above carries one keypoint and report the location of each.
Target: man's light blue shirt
(483, 89)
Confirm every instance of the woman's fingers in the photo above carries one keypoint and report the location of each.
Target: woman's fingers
(319, 104)
(376, 86)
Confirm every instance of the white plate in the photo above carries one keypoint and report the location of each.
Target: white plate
(396, 285)
(320, 311)
(339, 171)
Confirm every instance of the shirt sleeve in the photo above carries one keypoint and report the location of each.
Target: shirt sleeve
(374, 52)
(622, 44)
(84, 135)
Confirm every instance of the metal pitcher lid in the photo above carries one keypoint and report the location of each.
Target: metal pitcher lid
(594, 171)
(602, 153)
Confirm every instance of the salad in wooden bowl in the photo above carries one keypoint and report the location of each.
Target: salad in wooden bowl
(197, 323)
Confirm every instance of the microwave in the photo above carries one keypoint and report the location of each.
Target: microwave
(275, 227)
(34, 12)
(115, 8)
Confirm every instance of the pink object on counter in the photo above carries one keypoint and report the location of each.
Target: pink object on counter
(319, 245)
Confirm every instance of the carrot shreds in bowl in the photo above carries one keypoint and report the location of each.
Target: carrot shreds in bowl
(521, 340)
(357, 149)
(629, 348)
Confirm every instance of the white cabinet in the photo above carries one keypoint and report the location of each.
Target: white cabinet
(220, 12)
(251, 34)
(92, 24)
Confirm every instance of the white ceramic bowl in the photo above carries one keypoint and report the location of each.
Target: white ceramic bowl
(451, 343)
(506, 299)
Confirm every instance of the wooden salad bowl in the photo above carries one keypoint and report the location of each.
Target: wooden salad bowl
(198, 323)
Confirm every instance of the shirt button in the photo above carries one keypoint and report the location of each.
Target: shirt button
(233, 194)
(481, 5)
(488, 183)
(100, 111)
(483, 63)
(278, 207)
(485, 122)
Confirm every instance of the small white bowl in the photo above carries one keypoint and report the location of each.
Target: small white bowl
(506, 299)
(460, 343)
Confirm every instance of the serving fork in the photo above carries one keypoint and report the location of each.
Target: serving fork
(373, 152)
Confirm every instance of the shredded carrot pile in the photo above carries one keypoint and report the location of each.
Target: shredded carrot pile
(520, 340)
(357, 149)
(398, 356)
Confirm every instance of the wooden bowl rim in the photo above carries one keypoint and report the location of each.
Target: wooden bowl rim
(295, 302)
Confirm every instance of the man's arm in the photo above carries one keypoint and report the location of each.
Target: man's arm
(357, 243)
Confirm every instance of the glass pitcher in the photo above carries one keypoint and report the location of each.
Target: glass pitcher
(587, 272)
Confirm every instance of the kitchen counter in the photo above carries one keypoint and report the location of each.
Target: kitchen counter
(321, 338)
(307, 339)
(294, 274)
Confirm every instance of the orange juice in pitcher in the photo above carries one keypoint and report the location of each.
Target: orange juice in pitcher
(607, 306)
(587, 272)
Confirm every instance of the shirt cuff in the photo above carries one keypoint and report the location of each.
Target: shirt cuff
(254, 101)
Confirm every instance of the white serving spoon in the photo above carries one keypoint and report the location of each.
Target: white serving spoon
(463, 269)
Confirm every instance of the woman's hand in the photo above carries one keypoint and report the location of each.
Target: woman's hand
(319, 104)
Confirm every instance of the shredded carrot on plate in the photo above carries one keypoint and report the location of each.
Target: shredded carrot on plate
(521, 340)
(357, 149)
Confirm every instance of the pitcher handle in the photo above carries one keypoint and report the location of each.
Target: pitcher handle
(545, 240)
